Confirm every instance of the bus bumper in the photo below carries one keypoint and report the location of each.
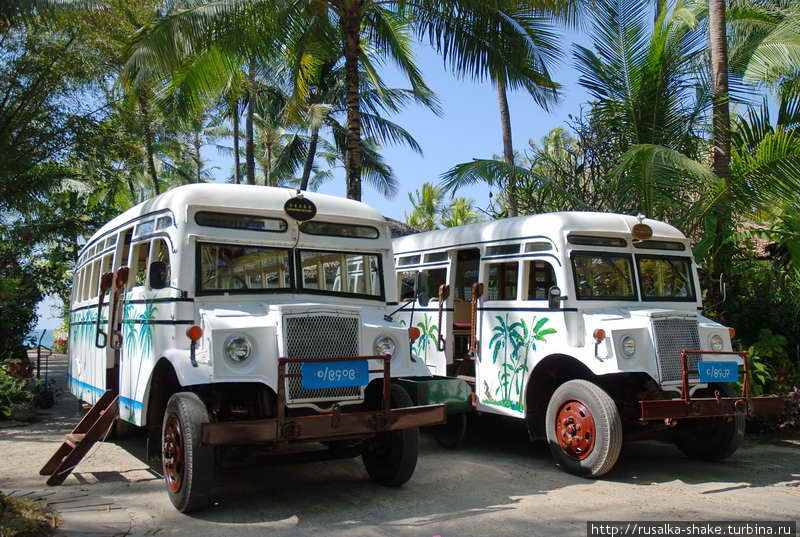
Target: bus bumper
(331, 425)
(717, 406)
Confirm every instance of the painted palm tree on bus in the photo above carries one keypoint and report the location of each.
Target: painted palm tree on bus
(503, 339)
(428, 335)
(526, 339)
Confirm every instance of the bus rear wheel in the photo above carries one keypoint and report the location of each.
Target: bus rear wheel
(188, 464)
(584, 429)
(391, 457)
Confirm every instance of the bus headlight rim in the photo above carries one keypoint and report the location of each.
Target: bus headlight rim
(717, 343)
(238, 348)
(628, 346)
(384, 345)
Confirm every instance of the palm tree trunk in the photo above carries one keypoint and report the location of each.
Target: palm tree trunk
(133, 190)
(722, 128)
(508, 146)
(237, 165)
(351, 25)
(268, 168)
(249, 147)
(312, 152)
(198, 163)
(147, 131)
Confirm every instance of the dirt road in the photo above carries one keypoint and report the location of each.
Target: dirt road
(497, 485)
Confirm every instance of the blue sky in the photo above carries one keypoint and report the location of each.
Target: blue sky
(468, 128)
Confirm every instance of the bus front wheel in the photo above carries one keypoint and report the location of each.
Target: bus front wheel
(391, 457)
(188, 464)
(584, 429)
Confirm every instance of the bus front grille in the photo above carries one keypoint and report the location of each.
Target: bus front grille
(319, 336)
(672, 336)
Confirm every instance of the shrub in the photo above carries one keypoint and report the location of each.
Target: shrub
(25, 518)
(13, 392)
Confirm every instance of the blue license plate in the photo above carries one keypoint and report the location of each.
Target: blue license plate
(320, 375)
(718, 371)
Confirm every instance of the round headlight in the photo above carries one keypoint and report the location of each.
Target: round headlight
(385, 345)
(238, 348)
(628, 346)
(716, 342)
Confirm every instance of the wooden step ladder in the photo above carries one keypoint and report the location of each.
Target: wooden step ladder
(76, 445)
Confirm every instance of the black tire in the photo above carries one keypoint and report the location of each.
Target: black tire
(711, 439)
(391, 457)
(451, 435)
(588, 456)
(188, 474)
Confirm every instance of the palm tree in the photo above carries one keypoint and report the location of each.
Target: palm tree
(427, 206)
(457, 28)
(460, 212)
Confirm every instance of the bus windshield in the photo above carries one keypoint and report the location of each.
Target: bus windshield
(603, 276)
(340, 273)
(665, 278)
(230, 267)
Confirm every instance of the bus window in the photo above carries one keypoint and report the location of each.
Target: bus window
(467, 264)
(503, 281)
(139, 258)
(94, 280)
(430, 280)
(126, 246)
(540, 279)
(405, 285)
(160, 252)
(106, 264)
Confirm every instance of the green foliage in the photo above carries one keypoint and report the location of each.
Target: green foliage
(13, 391)
(430, 210)
(20, 517)
(771, 369)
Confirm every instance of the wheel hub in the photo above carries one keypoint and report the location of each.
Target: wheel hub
(575, 429)
(172, 454)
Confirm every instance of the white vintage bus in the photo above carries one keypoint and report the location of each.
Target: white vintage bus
(233, 315)
(576, 322)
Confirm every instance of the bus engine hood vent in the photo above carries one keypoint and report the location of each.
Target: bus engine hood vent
(320, 334)
(671, 335)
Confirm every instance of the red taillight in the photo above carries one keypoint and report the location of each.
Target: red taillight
(732, 332)
(194, 333)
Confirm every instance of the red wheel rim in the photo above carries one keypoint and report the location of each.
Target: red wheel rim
(172, 454)
(575, 429)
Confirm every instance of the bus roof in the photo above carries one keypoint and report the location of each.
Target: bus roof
(258, 200)
(553, 226)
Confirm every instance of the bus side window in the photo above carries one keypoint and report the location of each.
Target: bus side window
(502, 281)
(541, 278)
(76, 286)
(405, 285)
(431, 280)
(160, 252)
(139, 267)
(87, 276)
(126, 246)
(106, 264)
(94, 282)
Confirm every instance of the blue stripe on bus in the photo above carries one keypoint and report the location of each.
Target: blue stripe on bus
(124, 400)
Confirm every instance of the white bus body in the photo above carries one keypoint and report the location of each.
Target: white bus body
(260, 286)
(624, 309)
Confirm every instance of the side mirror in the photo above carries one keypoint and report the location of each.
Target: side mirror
(159, 275)
(554, 297)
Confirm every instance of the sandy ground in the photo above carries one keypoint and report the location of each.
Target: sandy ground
(499, 484)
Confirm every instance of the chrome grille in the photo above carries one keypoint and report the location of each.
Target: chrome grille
(320, 336)
(673, 336)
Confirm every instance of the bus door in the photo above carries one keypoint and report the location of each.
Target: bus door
(420, 279)
(466, 265)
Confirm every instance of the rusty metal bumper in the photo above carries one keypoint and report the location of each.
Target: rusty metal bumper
(327, 426)
(686, 407)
